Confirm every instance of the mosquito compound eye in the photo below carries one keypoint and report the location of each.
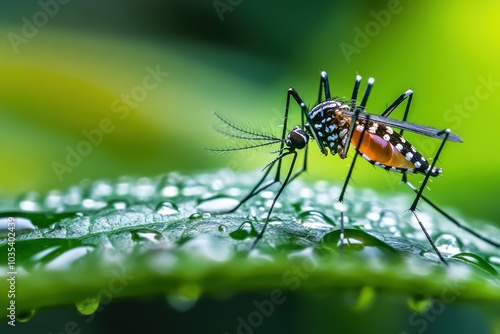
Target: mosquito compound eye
(297, 138)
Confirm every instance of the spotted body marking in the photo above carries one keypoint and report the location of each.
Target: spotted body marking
(381, 145)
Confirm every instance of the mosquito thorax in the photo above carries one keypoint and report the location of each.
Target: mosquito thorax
(330, 125)
(297, 138)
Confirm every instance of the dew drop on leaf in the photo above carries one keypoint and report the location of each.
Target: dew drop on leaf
(68, 258)
(167, 208)
(315, 219)
(87, 306)
(118, 204)
(146, 235)
(195, 215)
(419, 304)
(25, 315)
(476, 261)
(54, 200)
(245, 230)
(92, 204)
(494, 260)
(222, 228)
(170, 191)
(217, 204)
(31, 202)
(448, 244)
(185, 297)
(20, 224)
(356, 241)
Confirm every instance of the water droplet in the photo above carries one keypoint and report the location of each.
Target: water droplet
(31, 202)
(267, 194)
(234, 192)
(315, 219)
(170, 191)
(44, 253)
(167, 208)
(118, 204)
(185, 297)
(68, 258)
(25, 315)
(19, 225)
(146, 235)
(222, 228)
(88, 306)
(217, 205)
(122, 188)
(194, 191)
(245, 230)
(269, 202)
(208, 248)
(73, 196)
(144, 188)
(54, 200)
(195, 215)
(419, 304)
(448, 244)
(374, 212)
(357, 241)
(101, 189)
(206, 215)
(476, 261)
(90, 203)
(494, 259)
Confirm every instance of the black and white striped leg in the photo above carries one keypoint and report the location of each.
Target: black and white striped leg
(283, 185)
(449, 217)
(413, 207)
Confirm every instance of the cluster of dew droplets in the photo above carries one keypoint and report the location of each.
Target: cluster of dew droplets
(315, 208)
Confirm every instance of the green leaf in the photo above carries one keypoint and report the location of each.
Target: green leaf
(168, 235)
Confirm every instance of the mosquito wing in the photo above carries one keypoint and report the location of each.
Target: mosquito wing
(408, 126)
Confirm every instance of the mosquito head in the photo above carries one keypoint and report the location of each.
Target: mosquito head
(297, 138)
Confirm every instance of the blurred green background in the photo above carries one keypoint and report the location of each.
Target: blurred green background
(65, 67)
(61, 75)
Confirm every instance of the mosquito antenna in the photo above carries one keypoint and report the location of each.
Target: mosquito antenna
(249, 137)
(242, 130)
(241, 148)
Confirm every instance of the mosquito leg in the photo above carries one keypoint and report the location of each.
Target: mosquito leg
(413, 207)
(255, 189)
(324, 84)
(283, 185)
(450, 218)
(290, 93)
(406, 95)
(348, 178)
(357, 111)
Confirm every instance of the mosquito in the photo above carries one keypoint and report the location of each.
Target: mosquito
(336, 125)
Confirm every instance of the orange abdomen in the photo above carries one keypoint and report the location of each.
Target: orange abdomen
(377, 149)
